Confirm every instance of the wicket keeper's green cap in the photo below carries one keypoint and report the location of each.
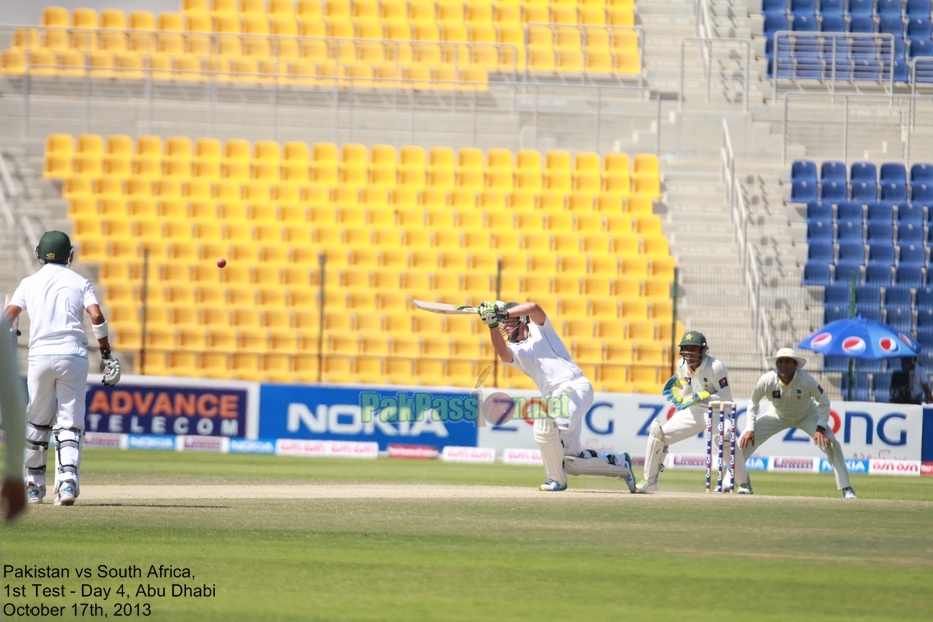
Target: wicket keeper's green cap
(54, 246)
(693, 338)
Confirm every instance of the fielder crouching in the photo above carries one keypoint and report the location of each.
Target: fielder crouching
(534, 347)
(55, 298)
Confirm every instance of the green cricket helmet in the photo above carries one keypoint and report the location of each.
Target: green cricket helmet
(693, 338)
(513, 325)
(55, 247)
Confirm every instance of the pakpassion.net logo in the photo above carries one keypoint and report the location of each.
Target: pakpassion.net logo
(495, 408)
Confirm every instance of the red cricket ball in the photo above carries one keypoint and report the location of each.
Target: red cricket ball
(221, 262)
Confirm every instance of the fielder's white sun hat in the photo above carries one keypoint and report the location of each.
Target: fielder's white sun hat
(786, 353)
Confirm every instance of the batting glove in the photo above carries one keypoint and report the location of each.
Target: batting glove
(488, 313)
(109, 367)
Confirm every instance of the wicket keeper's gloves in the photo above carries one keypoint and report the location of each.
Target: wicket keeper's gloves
(487, 313)
(668, 391)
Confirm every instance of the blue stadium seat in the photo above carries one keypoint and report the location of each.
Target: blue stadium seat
(912, 254)
(861, 7)
(803, 170)
(924, 335)
(800, 7)
(774, 23)
(851, 251)
(921, 192)
(807, 68)
(921, 173)
(836, 363)
(821, 252)
(893, 191)
(871, 367)
(850, 211)
(819, 210)
(819, 230)
(879, 212)
(804, 23)
(882, 253)
(919, 28)
(871, 313)
(865, 294)
(863, 171)
(910, 234)
(832, 7)
(878, 275)
(918, 8)
(909, 275)
(833, 170)
(880, 232)
(924, 298)
(843, 271)
(859, 391)
(836, 295)
(832, 23)
(901, 68)
(893, 171)
(835, 312)
(803, 191)
(773, 7)
(910, 213)
(926, 358)
(866, 69)
(891, 25)
(897, 297)
(920, 48)
(924, 318)
(817, 273)
(900, 318)
(834, 191)
(889, 8)
(862, 24)
(880, 385)
(849, 231)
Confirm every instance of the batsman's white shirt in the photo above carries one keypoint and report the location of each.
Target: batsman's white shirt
(55, 328)
(544, 358)
(792, 402)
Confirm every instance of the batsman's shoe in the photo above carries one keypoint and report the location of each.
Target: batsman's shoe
(35, 494)
(744, 489)
(630, 478)
(848, 493)
(66, 494)
(644, 487)
(552, 486)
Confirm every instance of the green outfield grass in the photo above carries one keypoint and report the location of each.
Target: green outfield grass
(794, 551)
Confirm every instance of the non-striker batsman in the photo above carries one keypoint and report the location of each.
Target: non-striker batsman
(55, 298)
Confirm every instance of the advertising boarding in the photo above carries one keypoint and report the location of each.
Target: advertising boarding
(619, 423)
(417, 416)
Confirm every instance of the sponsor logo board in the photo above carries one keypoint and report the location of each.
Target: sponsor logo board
(413, 452)
(103, 439)
(258, 446)
(150, 441)
(201, 443)
(484, 455)
(522, 456)
(894, 467)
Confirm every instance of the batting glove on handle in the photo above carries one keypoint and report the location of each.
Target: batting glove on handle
(109, 367)
(488, 313)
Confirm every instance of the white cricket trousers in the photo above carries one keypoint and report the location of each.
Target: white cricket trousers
(770, 423)
(570, 424)
(57, 390)
(692, 421)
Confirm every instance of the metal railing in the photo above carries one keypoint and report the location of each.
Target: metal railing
(830, 123)
(833, 58)
(739, 217)
(18, 230)
(705, 45)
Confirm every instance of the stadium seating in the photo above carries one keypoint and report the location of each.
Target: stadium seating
(885, 243)
(358, 44)
(390, 225)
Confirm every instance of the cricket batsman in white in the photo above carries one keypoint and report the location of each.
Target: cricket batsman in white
(534, 347)
(699, 379)
(55, 298)
(797, 401)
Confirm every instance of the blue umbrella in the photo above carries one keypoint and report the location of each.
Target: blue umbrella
(860, 338)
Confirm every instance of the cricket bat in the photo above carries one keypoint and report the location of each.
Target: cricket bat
(446, 309)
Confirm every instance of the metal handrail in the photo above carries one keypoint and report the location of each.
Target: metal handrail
(739, 217)
(706, 45)
(820, 38)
